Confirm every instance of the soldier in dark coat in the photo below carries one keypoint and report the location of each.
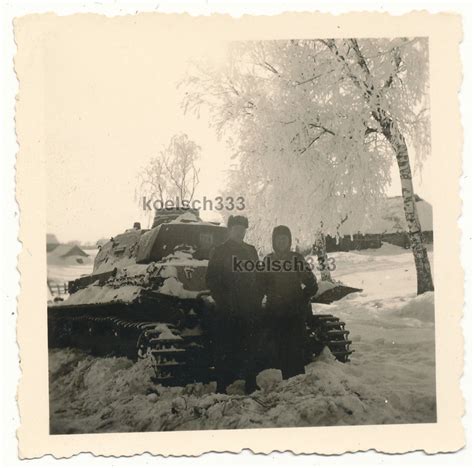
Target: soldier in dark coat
(238, 298)
(289, 285)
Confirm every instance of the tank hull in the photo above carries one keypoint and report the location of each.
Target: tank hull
(172, 334)
(175, 336)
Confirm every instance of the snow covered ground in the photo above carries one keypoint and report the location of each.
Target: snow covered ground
(390, 379)
(61, 271)
(68, 269)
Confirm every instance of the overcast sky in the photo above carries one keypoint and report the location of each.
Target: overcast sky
(111, 104)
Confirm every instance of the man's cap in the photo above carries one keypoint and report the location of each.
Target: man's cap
(237, 220)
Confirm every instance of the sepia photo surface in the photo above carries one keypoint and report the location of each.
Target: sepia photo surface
(251, 234)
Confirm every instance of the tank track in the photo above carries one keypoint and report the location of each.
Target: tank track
(178, 357)
(328, 330)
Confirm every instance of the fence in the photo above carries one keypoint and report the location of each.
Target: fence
(57, 289)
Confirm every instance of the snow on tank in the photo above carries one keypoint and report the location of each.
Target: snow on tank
(171, 259)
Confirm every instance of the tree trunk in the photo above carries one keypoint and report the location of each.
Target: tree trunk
(393, 135)
(320, 251)
(422, 263)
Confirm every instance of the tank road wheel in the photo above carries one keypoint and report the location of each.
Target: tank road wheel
(66, 333)
(199, 359)
(60, 333)
(167, 354)
(327, 330)
(315, 343)
(143, 346)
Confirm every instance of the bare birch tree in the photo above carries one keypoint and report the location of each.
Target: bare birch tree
(173, 174)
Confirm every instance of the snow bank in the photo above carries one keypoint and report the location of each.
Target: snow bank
(390, 380)
(420, 308)
(115, 395)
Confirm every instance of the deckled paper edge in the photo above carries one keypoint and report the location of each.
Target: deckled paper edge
(444, 31)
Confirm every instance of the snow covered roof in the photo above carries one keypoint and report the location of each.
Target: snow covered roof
(65, 250)
(390, 218)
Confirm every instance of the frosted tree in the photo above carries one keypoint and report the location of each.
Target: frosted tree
(316, 125)
(173, 174)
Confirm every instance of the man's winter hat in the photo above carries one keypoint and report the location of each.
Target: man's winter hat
(237, 220)
(280, 231)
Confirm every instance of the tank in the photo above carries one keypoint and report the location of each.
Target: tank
(146, 298)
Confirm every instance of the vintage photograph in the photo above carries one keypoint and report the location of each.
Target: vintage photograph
(242, 225)
(267, 262)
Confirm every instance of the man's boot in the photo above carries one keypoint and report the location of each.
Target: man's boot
(251, 384)
(223, 380)
(221, 387)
